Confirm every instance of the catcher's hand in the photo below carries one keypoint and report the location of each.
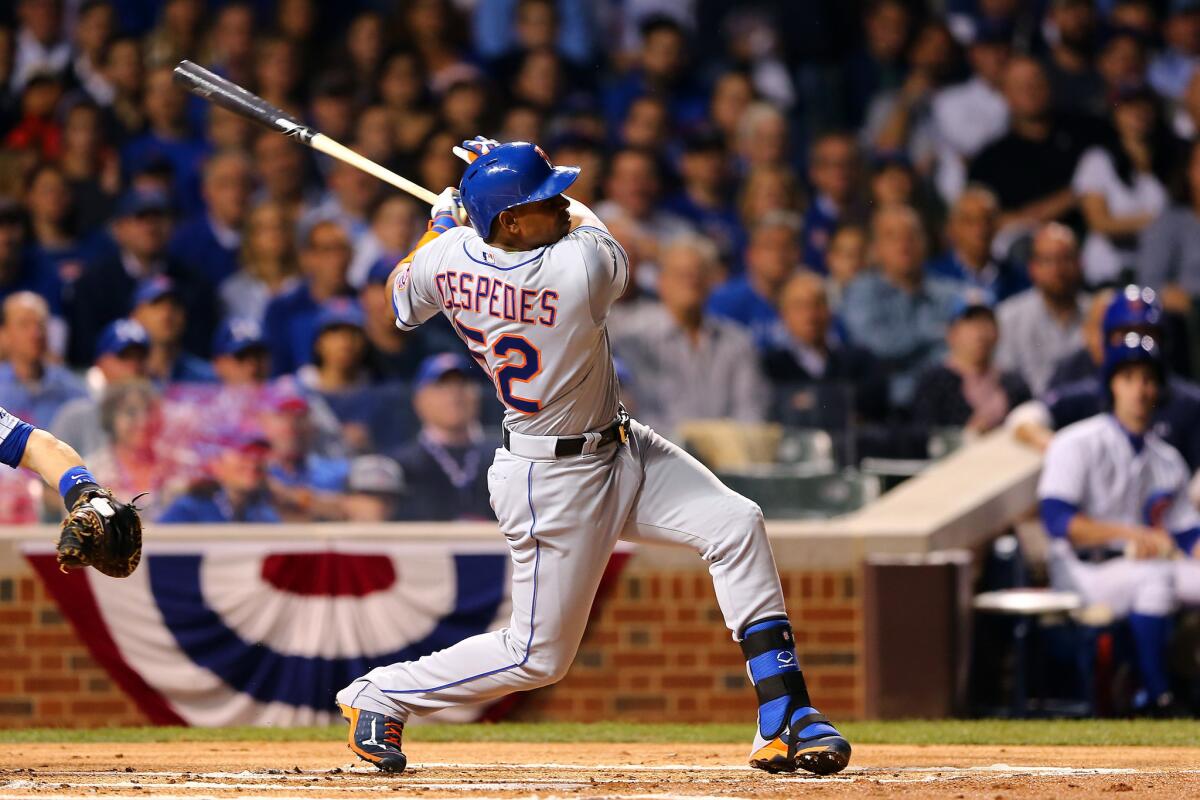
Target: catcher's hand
(101, 532)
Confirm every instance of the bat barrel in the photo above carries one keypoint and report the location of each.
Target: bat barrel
(228, 95)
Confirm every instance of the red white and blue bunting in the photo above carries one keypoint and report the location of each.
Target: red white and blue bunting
(213, 634)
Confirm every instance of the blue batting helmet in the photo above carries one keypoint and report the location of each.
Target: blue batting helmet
(1132, 348)
(1133, 307)
(510, 175)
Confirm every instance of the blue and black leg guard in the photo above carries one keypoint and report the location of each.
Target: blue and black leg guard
(785, 712)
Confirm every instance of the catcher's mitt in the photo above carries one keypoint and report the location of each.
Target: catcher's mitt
(101, 532)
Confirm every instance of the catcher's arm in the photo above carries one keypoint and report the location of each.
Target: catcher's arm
(99, 531)
(49, 457)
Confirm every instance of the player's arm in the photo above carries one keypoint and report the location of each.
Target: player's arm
(582, 215)
(413, 306)
(99, 530)
(1085, 531)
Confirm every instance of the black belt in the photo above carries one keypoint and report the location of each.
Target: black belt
(573, 445)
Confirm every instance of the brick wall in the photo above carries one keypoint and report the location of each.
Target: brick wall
(47, 678)
(657, 650)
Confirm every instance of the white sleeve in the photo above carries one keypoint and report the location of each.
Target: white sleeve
(1064, 471)
(1182, 515)
(414, 296)
(1095, 174)
(607, 268)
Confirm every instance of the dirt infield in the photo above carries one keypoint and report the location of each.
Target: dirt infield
(324, 770)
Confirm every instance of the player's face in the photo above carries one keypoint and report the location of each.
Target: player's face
(1135, 394)
(537, 224)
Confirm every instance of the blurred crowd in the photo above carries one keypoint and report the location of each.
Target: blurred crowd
(878, 218)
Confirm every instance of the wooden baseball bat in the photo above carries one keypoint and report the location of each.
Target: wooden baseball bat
(228, 95)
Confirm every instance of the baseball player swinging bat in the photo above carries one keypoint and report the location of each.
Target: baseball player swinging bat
(228, 95)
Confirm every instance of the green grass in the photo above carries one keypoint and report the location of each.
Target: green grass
(920, 732)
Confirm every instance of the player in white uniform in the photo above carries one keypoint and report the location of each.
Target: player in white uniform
(1113, 495)
(528, 288)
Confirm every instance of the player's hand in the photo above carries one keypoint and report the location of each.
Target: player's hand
(448, 204)
(1146, 543)
(472, 149)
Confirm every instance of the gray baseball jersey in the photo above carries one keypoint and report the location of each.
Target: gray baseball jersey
(533, 320)
(536, 322)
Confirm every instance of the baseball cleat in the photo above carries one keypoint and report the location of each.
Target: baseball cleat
(375, 738)
(823, 753)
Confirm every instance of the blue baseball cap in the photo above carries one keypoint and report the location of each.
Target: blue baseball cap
(1133, 307)
(1133, 348)
(381, 270)
(151, 290)
(143, 201)
(236, 336)
(339, 312)
(435, 367)
(120, 336)
(972, 303)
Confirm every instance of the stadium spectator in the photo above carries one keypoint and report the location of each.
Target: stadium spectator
(445, 467)
(31, 386)
(236, 490)
(230, 45)
(402, 91)
(54, 247)
(37, 133)
(752, 300)
(732, 94)
(167, 137)
(900, 121)
(175, 35)
(19, 271)
(1074, 83)
(690, 365)
(967, 390)
(94, 25)
(844, 260)
(970, 233)
(704, 199)
(1171, 70)
(158, 307)
(240, 355)
(879, 64)
(208, 243)
(267, 263)
(833, 170)
(1081, 363)
(1121, 186)
(90, 166)
(763, 137)
(662, 69)
(121, 355)
(1169, 251)
(290, 317)
(970, 115)
(106, 289)
(137, 457)
(125, 73)
(281, 172)
(347, 202)
(1042, 325)
(1030, 168)
(392, 354)
(396, 224)
(807, 358)
(632, 189)
(41, 48)
(374, 489)
(899, 313)
(339, 350)
(305, 484)
(277, 72)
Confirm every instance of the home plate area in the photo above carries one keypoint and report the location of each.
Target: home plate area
(476, 770)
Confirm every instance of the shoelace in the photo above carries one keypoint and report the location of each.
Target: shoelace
(392, 732)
